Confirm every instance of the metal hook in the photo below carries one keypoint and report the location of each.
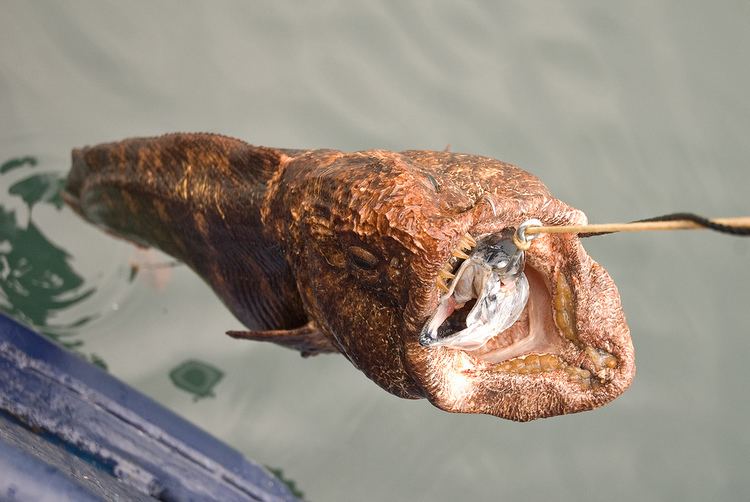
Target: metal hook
(520, 239)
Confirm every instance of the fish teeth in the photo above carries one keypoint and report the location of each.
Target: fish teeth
(447, 268)
(465, 244)
(444, 274)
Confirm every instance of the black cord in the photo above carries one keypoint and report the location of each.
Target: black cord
(743, 231)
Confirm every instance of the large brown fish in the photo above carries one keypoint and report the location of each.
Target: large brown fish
(328, 251)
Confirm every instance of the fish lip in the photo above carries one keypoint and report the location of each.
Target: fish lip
(457, 381)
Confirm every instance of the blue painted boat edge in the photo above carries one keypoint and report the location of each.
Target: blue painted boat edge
(21, 473)
(33, 468)
(38, 347)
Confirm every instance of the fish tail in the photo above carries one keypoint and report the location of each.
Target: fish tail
(197, 197)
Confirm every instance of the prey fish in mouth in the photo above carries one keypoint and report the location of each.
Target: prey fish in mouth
(493, 277)
(403, 262)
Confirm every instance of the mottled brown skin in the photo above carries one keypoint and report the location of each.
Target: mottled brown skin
(324, 251)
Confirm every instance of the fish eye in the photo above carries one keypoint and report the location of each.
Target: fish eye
(362, 258)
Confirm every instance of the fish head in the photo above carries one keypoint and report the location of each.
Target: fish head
(370, 236)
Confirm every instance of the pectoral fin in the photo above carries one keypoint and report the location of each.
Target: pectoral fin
(307, 339)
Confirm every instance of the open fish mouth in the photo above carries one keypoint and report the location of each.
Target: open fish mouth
(556, 343)
(486, 296)
(526, 336)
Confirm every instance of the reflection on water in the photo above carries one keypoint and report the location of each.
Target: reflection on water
(11, 164)
(196, 377)
(149, 264)
(36, 278)
(279, 473)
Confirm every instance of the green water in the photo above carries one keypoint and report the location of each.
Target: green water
(625, 110)
(37, 280)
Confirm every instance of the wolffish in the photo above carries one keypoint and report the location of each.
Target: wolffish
(329, 251)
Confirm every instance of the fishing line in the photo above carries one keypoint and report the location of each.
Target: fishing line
(739, 226)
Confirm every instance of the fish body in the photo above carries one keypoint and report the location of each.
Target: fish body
(330, 251)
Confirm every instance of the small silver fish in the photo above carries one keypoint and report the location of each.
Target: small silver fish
(493, 275)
